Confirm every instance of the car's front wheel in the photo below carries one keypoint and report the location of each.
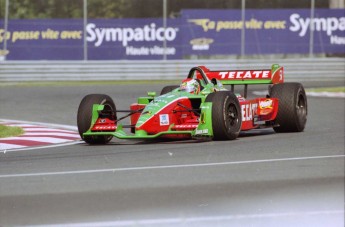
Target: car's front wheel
(85, 116)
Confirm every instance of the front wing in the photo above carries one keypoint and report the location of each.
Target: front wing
(203, 129)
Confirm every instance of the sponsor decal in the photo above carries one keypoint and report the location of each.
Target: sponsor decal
(156, 50)
(201, 43)
(326, 24)
(4, 52)
(186, 126)
(201, 131)
(127, 35)
(329, 25)
(161, 100)
(164, 119)
(267, 104)
(250, 74)
(248, 111)
(222, 25)
(111, 127)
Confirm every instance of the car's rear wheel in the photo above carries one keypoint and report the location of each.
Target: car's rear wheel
(226, 115)
(85, 115)
(292, 109)
(168, 89)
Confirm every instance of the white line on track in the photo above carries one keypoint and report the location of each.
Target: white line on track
(92, 171)
(200, 220)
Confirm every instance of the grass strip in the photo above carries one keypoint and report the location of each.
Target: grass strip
(9, 131)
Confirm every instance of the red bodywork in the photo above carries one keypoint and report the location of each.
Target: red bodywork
(255, 113)
(176, 114)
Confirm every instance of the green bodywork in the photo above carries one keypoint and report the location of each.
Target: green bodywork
(155, 104)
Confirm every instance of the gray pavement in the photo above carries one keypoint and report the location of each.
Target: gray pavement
(260, 179)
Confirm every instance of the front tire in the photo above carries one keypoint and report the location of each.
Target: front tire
(292, 109)
(85, 116)
(168, 89)
(226, 115)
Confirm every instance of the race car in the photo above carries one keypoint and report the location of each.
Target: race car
(200, 107)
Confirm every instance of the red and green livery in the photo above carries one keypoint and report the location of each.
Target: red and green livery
(212, 112)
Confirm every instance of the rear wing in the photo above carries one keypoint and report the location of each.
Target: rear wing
(274, 75)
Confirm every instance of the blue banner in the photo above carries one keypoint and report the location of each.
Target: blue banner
(107, 39)
(44, 39)
(218, 32)
(133, 39)
(196, 32)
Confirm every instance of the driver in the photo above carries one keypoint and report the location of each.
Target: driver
(190, 85)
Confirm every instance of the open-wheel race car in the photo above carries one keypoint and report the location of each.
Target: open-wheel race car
(200, 107)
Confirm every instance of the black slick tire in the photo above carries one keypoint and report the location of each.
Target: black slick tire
(85, 114)
(226, 115)
(168, 89)
(292, 109)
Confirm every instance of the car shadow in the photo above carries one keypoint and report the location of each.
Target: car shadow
(126, 142)
(257, 132)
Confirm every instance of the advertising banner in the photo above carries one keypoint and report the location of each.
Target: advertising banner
(107, 39)
(284, 31)
(133, 39)
(43, 39)
(196, 32)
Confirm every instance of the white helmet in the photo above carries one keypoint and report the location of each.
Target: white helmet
(190, 85)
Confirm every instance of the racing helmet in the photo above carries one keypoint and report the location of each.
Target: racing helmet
(190, 85)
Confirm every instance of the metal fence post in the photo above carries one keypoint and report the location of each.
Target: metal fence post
(7, 4)
(243, 14)
(164, 26)
(85, 24)
(311, 30)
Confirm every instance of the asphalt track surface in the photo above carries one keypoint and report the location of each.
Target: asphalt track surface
(260, 179)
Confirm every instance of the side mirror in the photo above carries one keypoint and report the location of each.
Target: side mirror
(151, 94)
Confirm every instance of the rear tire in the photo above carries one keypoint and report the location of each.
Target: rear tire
(226, 115)
(168, 89)
(292, 109)
(85, 116)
